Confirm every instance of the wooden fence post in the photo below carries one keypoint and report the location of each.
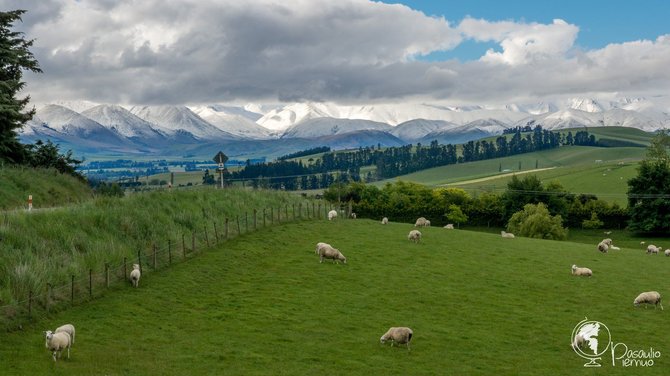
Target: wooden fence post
(226, 237)
(293, 211)
(313, 210)
(246, 222)
(255, 218)
(300, 210)
(286, 212)
(206, 237)
(318, 211)
(216, 233)
(139, 260)
(279, 214)
(239, 230)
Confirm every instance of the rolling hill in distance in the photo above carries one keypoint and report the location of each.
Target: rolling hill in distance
(251, 130)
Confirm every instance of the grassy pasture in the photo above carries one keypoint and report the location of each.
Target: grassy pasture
(261, 304)
(47, 186)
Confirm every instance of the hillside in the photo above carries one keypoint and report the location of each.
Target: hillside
(48, 188)
(260, 304)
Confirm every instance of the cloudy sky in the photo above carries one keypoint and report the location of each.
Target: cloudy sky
(344, 51)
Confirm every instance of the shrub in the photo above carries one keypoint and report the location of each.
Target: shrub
(534, 221)
(592, 223)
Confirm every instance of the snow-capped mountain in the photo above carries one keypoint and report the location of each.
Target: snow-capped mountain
(585, 104)
(572, 118)
(170, 119)
(463, 133)
(233, 120)
(124, 122)
(64, 120)
(329, 126)
(418, 128)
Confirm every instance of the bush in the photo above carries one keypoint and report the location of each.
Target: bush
(592, 223)
(534, 221)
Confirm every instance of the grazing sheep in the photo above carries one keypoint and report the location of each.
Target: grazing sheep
(353, 215)
(607, 232)
(332, 215)
(607, 241)
(602, 247)
(56, 342)
(67, 328)
(667, 252)
(385, 221)
(420, 222)
(652, 249)
(508, 235)
(400, 335)
(449, 226)
(578, 342)
(427, 223)
(414, 235)
(328, 252)
(319, 246)
(586, 272)
(615, 248)
(649, 297)
(135, 275)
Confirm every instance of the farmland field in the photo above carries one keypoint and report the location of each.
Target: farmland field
(262, 304)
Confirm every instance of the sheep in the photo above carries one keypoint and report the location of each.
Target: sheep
(650, 297)
(615, 248)
(67, 328)
(385, 221)
(607, 241)
(508, 235)
(578, 342)
(56, 342)
(602, 247)
(449, 226)
(332, 215)
(427, 223)
(586, 272)
(328, 252)
(353, 215)
(420, 222)
(667, 252)
(414, 235)
(135, 275)
(400, 335)
(319, 246)
(652, 249)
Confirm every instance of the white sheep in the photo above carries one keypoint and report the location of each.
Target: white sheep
(652, 249)
(581, 271)
(67, 328)
(615, 248)
(328, 252)
(427, 223)
(508, 235)
(649, 297)
(602, 247)
(353, 215)
(607, 241)
(385, 221)
(449, 226)
(414, 235)
(400, 335)
(578, 342)
(135, 275)
(420, 222)
(57, 342)
(667, 252)
(332, 215)
(319, 246)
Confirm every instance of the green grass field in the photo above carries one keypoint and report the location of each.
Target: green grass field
(48, 188)
(263, 305)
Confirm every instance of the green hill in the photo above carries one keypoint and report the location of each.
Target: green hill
(263, 305)
(47, 186)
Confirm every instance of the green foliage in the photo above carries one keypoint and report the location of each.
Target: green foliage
(649, 191)
(258, 305)
(15, 58)
(534, 221)
(47, 155)
(47, 186)
(455, 214)
(109, 189)
(530, 190)
(208, 179)
(592, 223)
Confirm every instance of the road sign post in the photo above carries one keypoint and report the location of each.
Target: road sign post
(221, 159)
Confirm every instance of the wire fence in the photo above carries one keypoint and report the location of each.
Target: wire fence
(182, 247)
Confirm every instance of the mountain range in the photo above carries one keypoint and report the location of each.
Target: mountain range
(107, 130)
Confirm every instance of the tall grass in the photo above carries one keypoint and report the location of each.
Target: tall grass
(49, 247)
(47, 186)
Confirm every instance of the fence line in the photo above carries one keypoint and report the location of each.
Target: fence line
(93, 283)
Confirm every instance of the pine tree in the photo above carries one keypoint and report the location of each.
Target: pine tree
(15, 57)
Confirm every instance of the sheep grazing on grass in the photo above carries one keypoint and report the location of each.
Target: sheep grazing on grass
(319, 246)
(420, 222)
(578, 342)
(649, 297)
(607, 241)
(328, 252)
(449, 226)
(652, 249)
(57, 342)
(332, 215)
(414, 235)
(353, 215)
(602, 247)
(135, 275)
(427, 223)
(667, 252)
(615, 248)
(586, 272)
(67, 328)
(508, 235)
(400, 335)
(385, 221)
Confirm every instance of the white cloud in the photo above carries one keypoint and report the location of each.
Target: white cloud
(205, 51)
